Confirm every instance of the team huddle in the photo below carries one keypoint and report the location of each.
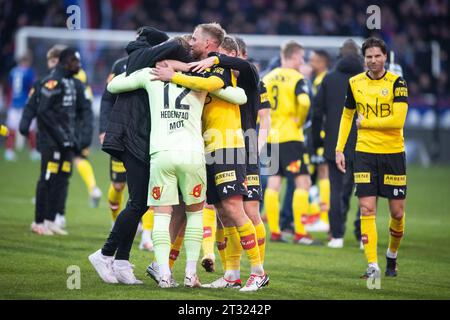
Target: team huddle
(185, 121)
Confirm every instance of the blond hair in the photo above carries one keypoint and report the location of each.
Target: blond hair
(55, 51)
(289, 48)
(214, 30)
(229, 44)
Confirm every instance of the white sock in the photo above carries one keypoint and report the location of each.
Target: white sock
(164, 270)
(392, 255)
(374, 265)
(232, 275)
(258, 270)
(121, 263)
(191, 268)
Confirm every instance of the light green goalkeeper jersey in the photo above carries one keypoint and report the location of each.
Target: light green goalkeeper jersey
(176, 112)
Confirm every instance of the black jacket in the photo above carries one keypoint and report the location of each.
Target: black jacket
(64, 114)
(108, 99)
(328, 105)
(128, 125)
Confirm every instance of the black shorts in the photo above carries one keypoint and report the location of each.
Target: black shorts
(254, 190)
(225, 174)
(117, 171)
(292, 161)
(381, 175)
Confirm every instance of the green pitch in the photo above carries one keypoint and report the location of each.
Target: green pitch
(35, 267)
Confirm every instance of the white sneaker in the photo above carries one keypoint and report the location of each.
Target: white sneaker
(10, 155)
(103, 265)
(336, 243)
(35, 155)
(166, 282)
(146, 241)
(153, 271)
(223, 283)
(60, 221)
(95, 195)
(53, 227)
(192, 281)
(318, 226)
(40, 229)
(123, 271)
(255, 283)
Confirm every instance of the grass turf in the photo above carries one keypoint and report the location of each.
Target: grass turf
(34, 267)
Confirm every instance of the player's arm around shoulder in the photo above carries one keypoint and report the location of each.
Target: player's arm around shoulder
(136, 80)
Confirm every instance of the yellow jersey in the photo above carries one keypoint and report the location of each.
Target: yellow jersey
(82, 76)
(383, 103)
(288, 96)
(221, 120)
(317, 82)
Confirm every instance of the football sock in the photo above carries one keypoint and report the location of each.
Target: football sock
(233, 249)
(87, 174)
(175, 248)
(272, 205)
(369, 237)
(324, 195)
(193, 237)
(300, 206)
(115, 199)
(396, 229)
(247, 233)
(147, 220)
(161, 241)
(221, 245)
(209, 231)
(261, 235)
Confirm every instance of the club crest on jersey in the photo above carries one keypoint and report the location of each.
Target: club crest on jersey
(294, 166)
(156, 192)
(197, 191)
(384, 92)
(51, 84)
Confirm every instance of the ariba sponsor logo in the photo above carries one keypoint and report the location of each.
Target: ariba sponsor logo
(222, 245)
(248, 242)
(364, 239)
(173, 254)
(207, 232)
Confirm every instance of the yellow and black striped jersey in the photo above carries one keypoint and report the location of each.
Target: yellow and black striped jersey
(288, 95)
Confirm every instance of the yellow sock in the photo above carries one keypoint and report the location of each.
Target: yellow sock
(369, 238)
(147, 220)
(396, 229)
(272, 205)
(87, 174)
(221, 245)
(249, 243)
(324, 195)
(175, 249)
(209, 231)
(233, 249)
(115, 199)
(300, 206)
(261, 235)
